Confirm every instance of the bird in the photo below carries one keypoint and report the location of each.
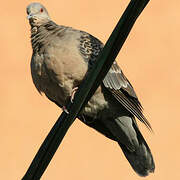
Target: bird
(61, 58)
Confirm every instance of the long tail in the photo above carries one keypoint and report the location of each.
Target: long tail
(139, 156)
(141, 159)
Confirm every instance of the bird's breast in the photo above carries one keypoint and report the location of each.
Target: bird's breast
(57, 70)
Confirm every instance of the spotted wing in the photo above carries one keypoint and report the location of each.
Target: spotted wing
(115, 81)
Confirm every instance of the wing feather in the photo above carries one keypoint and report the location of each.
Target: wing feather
(115, 81)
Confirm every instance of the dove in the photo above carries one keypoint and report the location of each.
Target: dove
(62, 56)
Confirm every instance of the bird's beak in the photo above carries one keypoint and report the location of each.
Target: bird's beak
(30, 16)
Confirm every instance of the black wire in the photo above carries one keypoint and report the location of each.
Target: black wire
(86, 90)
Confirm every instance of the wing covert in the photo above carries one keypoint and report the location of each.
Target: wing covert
(115, 81)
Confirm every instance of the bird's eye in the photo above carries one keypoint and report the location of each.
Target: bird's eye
(41, 10)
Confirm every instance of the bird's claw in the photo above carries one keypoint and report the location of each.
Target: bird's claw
(73, 93)
(65, 109)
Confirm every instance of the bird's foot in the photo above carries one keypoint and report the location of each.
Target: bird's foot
(73, 93)
(65, 109)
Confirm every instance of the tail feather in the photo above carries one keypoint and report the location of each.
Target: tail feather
(141, 159)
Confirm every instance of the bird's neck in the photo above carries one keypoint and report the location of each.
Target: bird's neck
(41, 35)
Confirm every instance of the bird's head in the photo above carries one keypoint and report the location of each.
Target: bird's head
(37, 14)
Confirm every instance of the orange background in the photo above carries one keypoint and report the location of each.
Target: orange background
(150, 59)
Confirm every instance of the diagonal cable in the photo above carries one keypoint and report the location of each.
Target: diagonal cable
(86, 90)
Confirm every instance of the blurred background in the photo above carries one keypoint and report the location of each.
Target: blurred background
(150, 59)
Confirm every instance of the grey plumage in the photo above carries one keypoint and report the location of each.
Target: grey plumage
(61, 58)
